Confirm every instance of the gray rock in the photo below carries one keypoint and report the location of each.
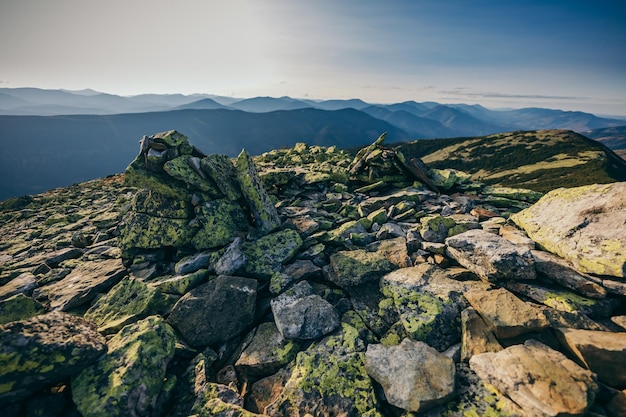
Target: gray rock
(491, 257)
(44, 350)
(300, 314)
(194, 262)
(24, 283)
(216, 311)
(232, 260)
(585, 225)
(54, 259)
(413, 375)
(540, 380)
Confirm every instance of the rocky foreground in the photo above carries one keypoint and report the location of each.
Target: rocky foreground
(308, 283)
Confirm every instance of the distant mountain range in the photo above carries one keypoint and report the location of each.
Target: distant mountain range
(51, 138)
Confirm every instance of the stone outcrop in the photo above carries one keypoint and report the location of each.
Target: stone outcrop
(590, 233)
(300, 282)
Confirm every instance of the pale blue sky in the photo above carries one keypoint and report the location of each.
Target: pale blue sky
(567, 54)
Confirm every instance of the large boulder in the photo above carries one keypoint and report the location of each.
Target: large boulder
(413, 375)
(128, 380)
(216, 311)
(539, 379)
(491, 257)
(44, 350)
(585, 225)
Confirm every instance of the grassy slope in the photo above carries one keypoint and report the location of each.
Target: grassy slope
(540, 160)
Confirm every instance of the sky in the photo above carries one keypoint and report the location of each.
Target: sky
(568, 54)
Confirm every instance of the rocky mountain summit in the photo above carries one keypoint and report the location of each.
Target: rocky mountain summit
(305, 282)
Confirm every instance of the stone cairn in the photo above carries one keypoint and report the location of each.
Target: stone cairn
(305, 282)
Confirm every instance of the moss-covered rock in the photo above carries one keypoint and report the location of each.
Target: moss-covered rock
(180, 284)
(182, 169)
(448, 178)
(222, 171)
(128, 380)
(19, 307)
(268, 254)
(352, 268)
(329, 379)
(220, 222)
(436, 228)
(149, 232)
(44, 350)
(259, 202)
(152, 203)
(125, 303)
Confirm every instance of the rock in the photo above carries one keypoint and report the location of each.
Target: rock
(82, 284)
(128, 380)
(564, 300)
(516, 237)
(24, 283)
(428, 303)
(267, 352)
(352, 268)
(448, 178)
(19, 307)
(216, 311)
(292, 273)
(182, 168)
(125, 303)
(220, 220)
(195, 262)
(395, 250)
(540, 380)
(585, 225)
(602, 352)
(222, 171)
(232, 260)
(151, 232)
(268, 254)
(491, 257)
(44, 350)
(413, 375)
(59, 256)
(563, 273)
(436, 228)
(266, 390)
(328, 379)
(180, 284)
(519, 194)
(505, 314)
(300, 314)
(263, 210)
(476, 336)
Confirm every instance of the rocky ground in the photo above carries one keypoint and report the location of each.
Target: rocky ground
(304, 282)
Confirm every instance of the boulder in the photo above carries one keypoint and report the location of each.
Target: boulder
(414, 376)
(352, 268)
(24, 283)
(267, 352)
(328, 379)
(44, 350)
(216, 311)
(125, 303)
(82, 284)
(602, 352)
(220, 221)
(269, 253)
(540, 380)
(222, 171)
(585, 225)
(128, 380)
(505, 314)
(300, 314)
(491, 257)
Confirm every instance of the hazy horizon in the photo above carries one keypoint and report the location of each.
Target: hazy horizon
(565, 55)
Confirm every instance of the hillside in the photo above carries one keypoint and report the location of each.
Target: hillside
(612, 137)
(309, 282)
(38, 153)
(540, 160)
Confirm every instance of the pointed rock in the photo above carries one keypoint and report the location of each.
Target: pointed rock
(602, 352)
(413, 375)
(260, 204)
(585, 225)
(491, 257)
(540, 380)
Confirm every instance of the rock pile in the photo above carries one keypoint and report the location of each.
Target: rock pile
(306, 282)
